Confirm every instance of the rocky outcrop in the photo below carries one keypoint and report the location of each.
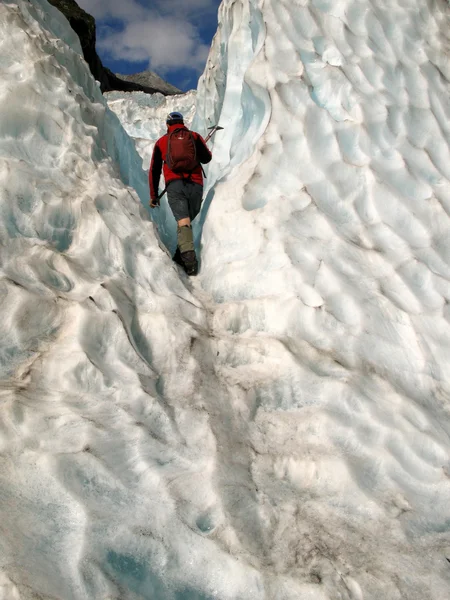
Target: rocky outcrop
(151, 79)
(84, 26)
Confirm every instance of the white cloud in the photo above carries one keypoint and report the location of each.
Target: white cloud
(166, 43)
(163, 33)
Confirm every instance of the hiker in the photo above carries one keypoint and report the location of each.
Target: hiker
(181, 152)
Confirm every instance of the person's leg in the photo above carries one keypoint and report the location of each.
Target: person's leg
(184, 236)
(185, 254)
(195, 197)
(177, 194)
(178, 199)
(194, 193)
(186, 247)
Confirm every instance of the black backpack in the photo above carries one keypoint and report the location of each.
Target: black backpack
(181, 151)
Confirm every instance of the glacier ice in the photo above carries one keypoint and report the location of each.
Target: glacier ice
(326, 240)
(279, 428)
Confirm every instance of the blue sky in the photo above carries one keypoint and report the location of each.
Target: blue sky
(170, 37)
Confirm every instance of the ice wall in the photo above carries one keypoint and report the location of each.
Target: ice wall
(326, 242)
(106, 453)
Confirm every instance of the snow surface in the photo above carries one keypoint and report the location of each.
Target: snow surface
(279, 427)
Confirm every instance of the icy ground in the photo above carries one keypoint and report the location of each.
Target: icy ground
(277, 429)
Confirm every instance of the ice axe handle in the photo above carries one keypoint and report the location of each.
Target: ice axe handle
(213, 130)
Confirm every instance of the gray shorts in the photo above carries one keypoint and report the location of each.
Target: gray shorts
(185, 198)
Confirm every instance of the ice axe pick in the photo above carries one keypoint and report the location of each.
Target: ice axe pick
(212, 131)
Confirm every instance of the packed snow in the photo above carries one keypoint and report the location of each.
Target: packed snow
(277, 428)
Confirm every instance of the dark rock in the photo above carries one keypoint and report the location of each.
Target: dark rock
(84, 26)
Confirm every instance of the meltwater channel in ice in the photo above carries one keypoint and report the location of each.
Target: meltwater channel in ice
(278, 428)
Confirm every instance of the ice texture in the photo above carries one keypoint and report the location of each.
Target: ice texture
(277, 429)
(325, 246)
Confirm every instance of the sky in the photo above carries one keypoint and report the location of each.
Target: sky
(169, 37)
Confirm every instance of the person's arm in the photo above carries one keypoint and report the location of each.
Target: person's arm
(203, 153)
(154, 173)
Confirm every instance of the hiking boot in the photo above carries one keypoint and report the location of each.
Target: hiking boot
(177, 258)
(190, 263)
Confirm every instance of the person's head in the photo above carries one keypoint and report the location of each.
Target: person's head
(174, 118)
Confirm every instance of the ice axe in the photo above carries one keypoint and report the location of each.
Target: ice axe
(212, 131)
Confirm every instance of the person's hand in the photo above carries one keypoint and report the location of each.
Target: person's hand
(154, 202)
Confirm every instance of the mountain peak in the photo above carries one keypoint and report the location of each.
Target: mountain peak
(151, 79)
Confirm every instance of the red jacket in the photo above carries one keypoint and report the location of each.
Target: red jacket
(159, 158)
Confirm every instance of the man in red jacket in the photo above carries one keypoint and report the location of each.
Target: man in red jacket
(184, 182)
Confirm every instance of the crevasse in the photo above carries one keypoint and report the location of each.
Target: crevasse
(278, 428)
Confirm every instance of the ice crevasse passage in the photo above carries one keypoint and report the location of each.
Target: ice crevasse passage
(280, 428)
